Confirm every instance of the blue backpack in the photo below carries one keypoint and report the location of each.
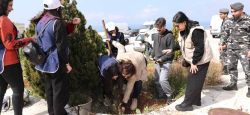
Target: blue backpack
(105, 62)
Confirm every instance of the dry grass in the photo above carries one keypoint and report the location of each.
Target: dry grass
(214, 74)
(178, 79)
(149, 86)
(151, 68)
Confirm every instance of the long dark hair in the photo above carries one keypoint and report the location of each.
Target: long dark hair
(111, 71)
(4, 6)
(181, 17)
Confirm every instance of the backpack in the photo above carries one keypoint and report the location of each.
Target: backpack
(33, 52)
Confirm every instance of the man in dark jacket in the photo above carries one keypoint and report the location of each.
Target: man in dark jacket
(115, 35)
(163, 56)
(56, 66)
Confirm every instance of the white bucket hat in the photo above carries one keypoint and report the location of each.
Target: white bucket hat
(52, 4)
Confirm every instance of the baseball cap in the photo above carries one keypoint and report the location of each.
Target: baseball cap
(52, 4)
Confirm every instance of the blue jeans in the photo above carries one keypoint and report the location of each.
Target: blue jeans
(161, 79)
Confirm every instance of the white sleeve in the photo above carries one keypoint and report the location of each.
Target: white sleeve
(119, 46)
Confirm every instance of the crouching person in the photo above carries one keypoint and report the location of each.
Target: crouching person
(132, 66)
(110, 76)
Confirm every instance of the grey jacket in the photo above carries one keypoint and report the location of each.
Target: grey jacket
(163, 42)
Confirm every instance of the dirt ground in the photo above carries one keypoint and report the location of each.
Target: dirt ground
(146, 104)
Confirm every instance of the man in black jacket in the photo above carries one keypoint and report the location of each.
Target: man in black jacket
(163, 56)
(115, 35)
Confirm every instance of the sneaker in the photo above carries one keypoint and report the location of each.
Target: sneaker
(107, 101)
(169, 100)
(133, 105)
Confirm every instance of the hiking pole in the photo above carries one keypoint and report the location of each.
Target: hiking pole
(106, 34)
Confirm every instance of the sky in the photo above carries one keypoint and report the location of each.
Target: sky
(133, 12)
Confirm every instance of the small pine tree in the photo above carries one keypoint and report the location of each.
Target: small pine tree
(177, 53)
(85, 45)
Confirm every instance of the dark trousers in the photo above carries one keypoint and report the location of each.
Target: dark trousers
(194, 85)
(12, 75)
(137, 89)
(57, 91)
(109, 83)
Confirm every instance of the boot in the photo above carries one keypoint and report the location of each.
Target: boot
(232, 86)
(184, 107)
(198, 103)
(248, 93)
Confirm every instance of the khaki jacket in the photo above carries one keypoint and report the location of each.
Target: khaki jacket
(138, 61)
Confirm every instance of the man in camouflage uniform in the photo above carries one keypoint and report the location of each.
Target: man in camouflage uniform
(236, 37)
(224, 16)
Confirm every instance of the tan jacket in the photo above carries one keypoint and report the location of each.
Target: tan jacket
(187, 47)
(138, 61)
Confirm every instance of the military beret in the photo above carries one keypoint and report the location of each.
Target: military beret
(224, 10)
(237, 6)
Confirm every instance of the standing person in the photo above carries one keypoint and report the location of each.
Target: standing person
(196, 51)
(56, 67)
(236, 37)
(10, 68)
(223, 56)
(115, 35)
(163, 43)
